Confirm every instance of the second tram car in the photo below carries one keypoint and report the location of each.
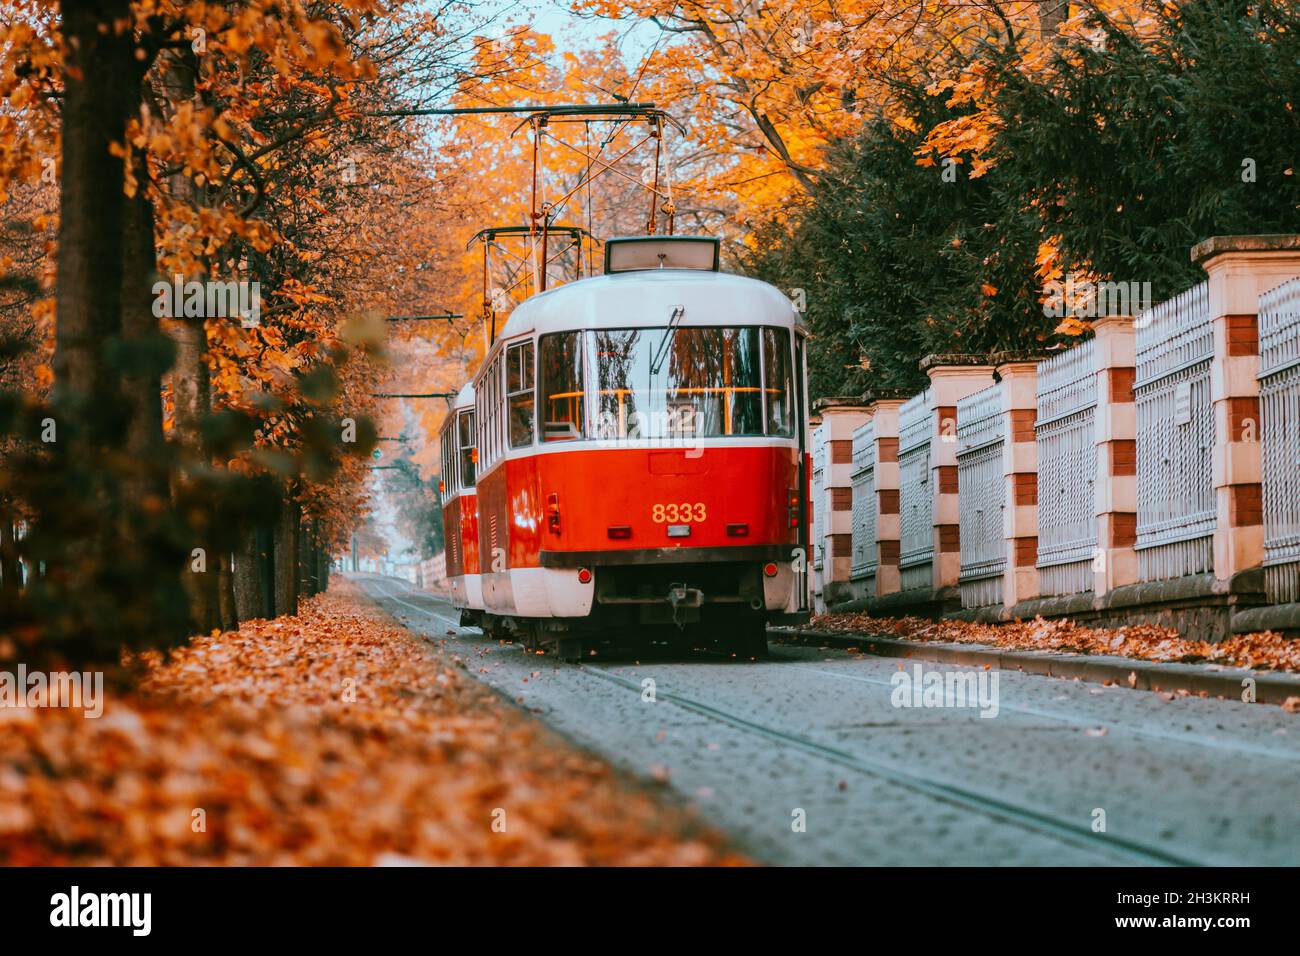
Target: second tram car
(642, 456)
(458, 441)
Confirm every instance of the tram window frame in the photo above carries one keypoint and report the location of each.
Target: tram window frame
(486, 427)
(576, 383)
(465, 453)
(445, 476)
(770, 334)
(490, 403)
(521, 395)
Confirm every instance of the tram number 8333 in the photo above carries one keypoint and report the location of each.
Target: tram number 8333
(674, 512)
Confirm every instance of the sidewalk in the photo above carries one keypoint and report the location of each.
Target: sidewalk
(1145, 657)
(335, 737)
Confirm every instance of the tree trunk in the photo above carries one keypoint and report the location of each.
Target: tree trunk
(226, 593)
(1051, 14)
(286, 558)
(247, 577)
(97, 99)
(9, 573)
(81, 538)
(144, 341)
(306, 576)
(191, 393)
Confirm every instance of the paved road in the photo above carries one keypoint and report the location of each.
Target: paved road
(805, 759)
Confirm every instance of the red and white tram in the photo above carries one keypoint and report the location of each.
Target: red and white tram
(642, 456)
(458, 440)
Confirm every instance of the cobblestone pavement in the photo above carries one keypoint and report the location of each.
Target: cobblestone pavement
(806, 759)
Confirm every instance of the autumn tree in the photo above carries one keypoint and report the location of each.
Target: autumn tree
(215, 141)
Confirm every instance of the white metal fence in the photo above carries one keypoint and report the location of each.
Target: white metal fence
(1065, 431)
(1175, 438)
(1279, 391)
(864, 503)
(981, 436)
(915, 500)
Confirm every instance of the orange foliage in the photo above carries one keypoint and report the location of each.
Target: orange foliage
(258, 730)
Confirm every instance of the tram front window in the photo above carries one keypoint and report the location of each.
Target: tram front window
(688, 383)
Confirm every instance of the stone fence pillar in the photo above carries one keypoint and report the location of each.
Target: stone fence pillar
(834, 497)
(1240, 269)
(952, 377)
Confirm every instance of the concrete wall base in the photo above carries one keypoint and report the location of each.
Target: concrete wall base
(1199, 606)
(916, 602)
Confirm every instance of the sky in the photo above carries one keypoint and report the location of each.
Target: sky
(573, 32)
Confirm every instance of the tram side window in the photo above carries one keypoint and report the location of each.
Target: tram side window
(466, 450)
(519, 389)
(490, 409)
(561, 386)
(444, 474)
(776, 393)
(498, 416)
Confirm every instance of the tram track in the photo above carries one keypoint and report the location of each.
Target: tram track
(1078, 720)
(1002, 810)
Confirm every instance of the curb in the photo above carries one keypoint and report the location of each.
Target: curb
(1271, 687)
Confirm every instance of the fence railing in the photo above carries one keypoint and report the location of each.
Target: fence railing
(818, 497)
(1065, 430)
(1176, 508)
(1279, 391)
(981, 435)
(864, 503)
(915, 494)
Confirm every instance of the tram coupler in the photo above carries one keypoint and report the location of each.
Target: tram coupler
(679, 597)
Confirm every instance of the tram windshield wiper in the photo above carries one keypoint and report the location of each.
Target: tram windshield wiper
(661, 352)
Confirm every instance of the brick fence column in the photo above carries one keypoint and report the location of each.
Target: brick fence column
(1240, 268)
(839, 418)
(1019, 374)
(952, 377)
(884, 405)
(1115, 562)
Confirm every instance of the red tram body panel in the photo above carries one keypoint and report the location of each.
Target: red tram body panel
(458, 443)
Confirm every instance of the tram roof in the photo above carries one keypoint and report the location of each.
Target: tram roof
(647, 299)
(465, 397)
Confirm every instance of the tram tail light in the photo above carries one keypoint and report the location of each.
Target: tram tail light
(553, 513)
(584, 575)
(737, 531)
(793, 511)
(620, 532)
(770, 569)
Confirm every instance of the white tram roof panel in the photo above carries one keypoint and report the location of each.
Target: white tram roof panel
(464, 398)
(647, 298)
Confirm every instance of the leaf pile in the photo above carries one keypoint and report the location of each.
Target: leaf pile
(255, 729)
(1267, 650)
